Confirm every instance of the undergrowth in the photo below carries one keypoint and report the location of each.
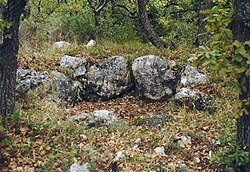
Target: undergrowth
(39, 135)
(47, 58)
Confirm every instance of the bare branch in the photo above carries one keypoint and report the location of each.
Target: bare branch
(53, 9)
(171, 4)
(99, 7)
(183, 11)
(90, 5)
(132, 14)
(119, 5)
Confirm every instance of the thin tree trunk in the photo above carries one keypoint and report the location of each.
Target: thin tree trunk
(147, 26)
(8, 56)
(241, 31)
(202, 36)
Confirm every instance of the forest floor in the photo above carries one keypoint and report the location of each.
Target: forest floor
(39, 136)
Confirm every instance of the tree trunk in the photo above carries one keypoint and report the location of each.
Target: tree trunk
(241, 31)
(202, 36)
(97, 18)
(8, 56)
(147, 26)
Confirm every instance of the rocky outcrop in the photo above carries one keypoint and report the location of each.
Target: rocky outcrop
(29, 80)
(108, 79)
(155, 78)
(78, 66)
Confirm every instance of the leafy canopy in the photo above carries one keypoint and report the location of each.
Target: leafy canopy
(224, 56)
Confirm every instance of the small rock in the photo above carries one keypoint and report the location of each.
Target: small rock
(77, 64)
(91, 43)
(79, 117)
(183, 141)
(23, 73)
(109, 116)
(60, 44)
(182, 145)
(157, 121)
(76, 167)
(191, 75)
(83, 137)
(216, 141)
(137, 141)
(96, 118)
(72, 62)
(193, 99)
(183, 167)
(186, 140)
(119, 155)
(135, 145)
(197, 160)
(160, 150)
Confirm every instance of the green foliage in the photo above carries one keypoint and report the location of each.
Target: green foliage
(4, 24)
(77, 23)
(224, 57)
(231, 156)
(14, 117)
(116, 28)
(230, 153)
(175, 23)
(180, 33)
(47, 20)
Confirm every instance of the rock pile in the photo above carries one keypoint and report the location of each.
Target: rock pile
(150, 77)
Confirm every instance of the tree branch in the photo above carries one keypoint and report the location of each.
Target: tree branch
(182, 11)
(132, 14)
(99, 7)
(171, 4)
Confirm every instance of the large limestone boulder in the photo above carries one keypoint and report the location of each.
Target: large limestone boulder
(65, 88)
(75, 64)
(155, 78)
(191, 76)
(108, 79)
(29, 80)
